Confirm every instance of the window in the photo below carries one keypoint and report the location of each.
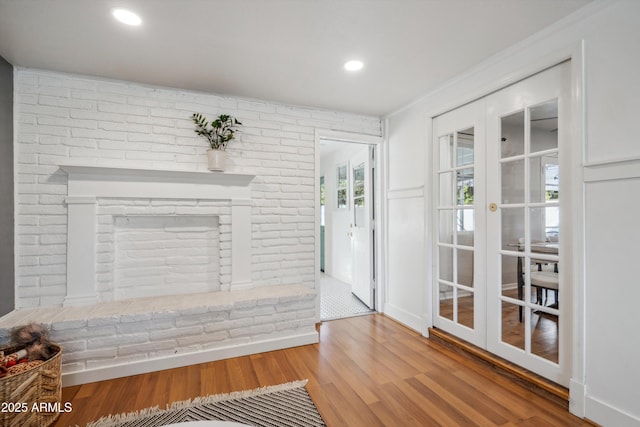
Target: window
(342, 182)
(358, 195)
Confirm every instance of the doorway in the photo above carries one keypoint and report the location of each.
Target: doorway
(502, 279)
(347, 228)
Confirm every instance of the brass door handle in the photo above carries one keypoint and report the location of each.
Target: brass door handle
(493, 207)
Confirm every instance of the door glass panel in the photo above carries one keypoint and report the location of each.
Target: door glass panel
(545, 334)
(358, 181)
(446, 301)
(445, 228)
(551, 177)
(446, 193)
(512, 178)
(544, 182)
(465, 308)
(536, 226)
(544, 126)
(465, 267)
(464, 186)
(464, 219)
(545, 289)
(513, 332)
(445, 261)
(446, 151)
(512, 128)
(536, 180)
(464, 151)
(358, 196)
(512, 278)
(512, 228)
(342, 198)
(552, 224)
(544, 225)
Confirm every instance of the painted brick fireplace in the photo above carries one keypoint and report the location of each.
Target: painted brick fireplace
(102, 200)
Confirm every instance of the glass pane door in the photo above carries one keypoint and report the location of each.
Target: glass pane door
(529, 231)
(458, 277)
(527, 322)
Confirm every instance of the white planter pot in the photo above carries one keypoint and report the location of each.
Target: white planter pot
(216, 160)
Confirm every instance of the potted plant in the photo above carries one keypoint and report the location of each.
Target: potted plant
(219, 132)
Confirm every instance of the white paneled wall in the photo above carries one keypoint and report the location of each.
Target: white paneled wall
(63, 118)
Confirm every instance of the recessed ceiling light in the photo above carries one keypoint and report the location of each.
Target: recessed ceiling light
(353, 65)
(126, 17)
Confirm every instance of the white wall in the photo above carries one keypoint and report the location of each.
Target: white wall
(606, 346)
(62, 118)
(408, 260)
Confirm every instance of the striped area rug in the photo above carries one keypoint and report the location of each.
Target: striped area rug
(275, 406)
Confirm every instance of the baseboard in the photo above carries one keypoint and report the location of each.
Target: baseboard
(577, 393)
(410, 320)
(177, 361)
(606, 415)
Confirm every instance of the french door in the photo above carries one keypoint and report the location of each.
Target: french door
(502, 275)
(459, 285)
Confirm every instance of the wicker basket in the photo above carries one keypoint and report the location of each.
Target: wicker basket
(41, 386)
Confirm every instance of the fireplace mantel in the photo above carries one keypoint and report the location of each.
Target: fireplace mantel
(101, 181)
(87, 183)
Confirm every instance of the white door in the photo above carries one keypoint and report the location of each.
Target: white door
(459, 220)
(499, 280)
(528, 291)
(361, 227)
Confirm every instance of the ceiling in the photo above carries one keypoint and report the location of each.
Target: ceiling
(288, 51)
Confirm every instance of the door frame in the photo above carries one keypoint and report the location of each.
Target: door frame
(379, 194)
(519, 69)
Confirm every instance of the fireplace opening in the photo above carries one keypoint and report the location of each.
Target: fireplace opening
(165, 255)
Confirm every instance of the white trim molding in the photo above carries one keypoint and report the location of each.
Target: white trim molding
(405, 193)
(627, 168)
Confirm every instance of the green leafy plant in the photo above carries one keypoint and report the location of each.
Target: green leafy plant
(219, 132)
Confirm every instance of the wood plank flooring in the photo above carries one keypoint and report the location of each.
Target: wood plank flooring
(366, 371)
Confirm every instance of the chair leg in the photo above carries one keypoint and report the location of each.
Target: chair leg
(520, 286)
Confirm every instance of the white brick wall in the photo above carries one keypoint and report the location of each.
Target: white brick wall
(62, 118)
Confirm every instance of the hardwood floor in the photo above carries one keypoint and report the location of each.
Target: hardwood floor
(366, 371)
